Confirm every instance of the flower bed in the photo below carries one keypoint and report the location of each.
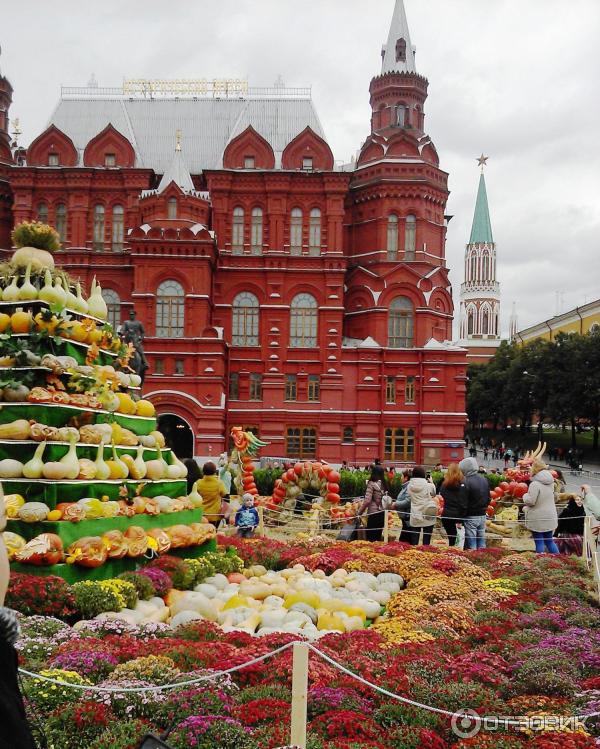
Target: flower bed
(504, 634)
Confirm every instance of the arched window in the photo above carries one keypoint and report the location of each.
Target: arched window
(485, 267)
(169, 309)
(485, 322)
(314, 232)
(296, 232)
(237, 234)
(470, 322)
(99, 227)
(42, 213)
(410, 236)
(401, 115)
(117, 228)
(401, 323)
(113, 304)
(303, 321)
(172, 208)
(244, 326)
(392, 237)
(61, 221)
(256, 238)
(400, 50)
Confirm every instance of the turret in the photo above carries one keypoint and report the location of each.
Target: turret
(6, 91)
(398, 94)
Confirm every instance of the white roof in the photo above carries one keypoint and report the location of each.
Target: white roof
(398, 30)
(206, 124)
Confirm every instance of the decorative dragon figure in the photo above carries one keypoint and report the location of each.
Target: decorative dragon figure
(245, 447)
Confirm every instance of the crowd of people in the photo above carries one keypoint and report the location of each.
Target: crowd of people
(460, 500)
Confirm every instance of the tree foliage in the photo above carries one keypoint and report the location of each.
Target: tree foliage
(556, 381)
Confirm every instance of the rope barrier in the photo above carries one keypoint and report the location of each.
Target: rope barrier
(414, 703)
(190, 682)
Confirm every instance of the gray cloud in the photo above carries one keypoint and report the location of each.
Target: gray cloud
(517, 79)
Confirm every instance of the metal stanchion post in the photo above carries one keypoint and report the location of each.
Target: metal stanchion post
(386, 526)
(299, 694)
(261, 520)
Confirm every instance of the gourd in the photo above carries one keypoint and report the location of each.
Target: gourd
(27, 292)
(15, 392)
(182, 470)
(330, 622)
(11, 292)
(122, 466)
(155, 469)
(81, 305)
(38, 258)
(10, 469)
(34, 467)
(33, 512)
(47, 292)
(102, 469)
(12, 503)
(71, 301)
(96, 304)
(19, 429)
(195, 498)
(70, 461)
(59, 293)
(87, 469)
(55, 471)
(140, 463)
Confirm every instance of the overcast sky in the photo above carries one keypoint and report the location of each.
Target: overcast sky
(516, 79)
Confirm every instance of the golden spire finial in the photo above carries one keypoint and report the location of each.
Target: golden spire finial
(178, 140)
(482, 161)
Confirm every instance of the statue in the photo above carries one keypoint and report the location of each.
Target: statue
(132, 331)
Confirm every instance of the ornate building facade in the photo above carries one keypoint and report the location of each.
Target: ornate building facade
(480, 292)
(278, 291)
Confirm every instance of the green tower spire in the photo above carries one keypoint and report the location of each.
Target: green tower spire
(481, 231)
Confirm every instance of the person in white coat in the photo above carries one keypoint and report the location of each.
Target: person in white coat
(423, 506)
(541, 516)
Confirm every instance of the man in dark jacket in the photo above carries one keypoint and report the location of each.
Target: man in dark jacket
(14, 731)
(478, 490)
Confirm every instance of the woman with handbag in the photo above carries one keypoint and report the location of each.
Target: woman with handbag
(374, 503)
(423, 506)
(408, 534)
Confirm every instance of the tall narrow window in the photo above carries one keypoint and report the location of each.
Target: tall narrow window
(392, 237)
(159, 366)
(291, 387)
(172, 208)
(409, 390)
(301, 442)
(237, 233)
(314, 236)
(117, 228)
(410, 237)
(113, 305)
(169, 310)
(485, 322)
(399, 444)
(244, 326)
(348, 435)
(470, 322)
(296, 232)
(255, 393)
(303, 321)
(179, 367)
(314, 387)
(42, 213)
(98, 227)
(61, 221)
(256, 238)
(390, 389)
(401, 115)
(234, 386)
(401, 323)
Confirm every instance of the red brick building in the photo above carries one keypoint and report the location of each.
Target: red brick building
(278, 290)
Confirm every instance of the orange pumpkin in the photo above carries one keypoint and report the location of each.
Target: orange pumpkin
(21, 321)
